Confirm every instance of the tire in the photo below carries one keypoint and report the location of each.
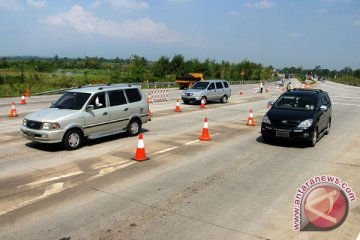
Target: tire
(186, 101)
(314, 138)
(224, 99)
(266, 139)
(133, 128)
(327, 131)
(73, 139)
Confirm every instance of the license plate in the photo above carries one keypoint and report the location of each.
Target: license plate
(282, 134)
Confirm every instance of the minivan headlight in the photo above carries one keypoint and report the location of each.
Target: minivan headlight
(305, 124)
(266, 120)
(49, 126)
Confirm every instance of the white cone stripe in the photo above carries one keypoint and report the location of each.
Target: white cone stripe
(206, 125)
(141, 144)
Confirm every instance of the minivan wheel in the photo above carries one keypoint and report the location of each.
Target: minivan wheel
(327, 131)
(134, 127)
(73, 139)
(224, 99)
(314, 138)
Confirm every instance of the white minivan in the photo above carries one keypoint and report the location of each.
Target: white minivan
(88, 112)
(207, 90)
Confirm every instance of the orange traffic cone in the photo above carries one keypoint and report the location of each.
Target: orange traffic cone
(202, 105)
(150, 99)
(177, 109)
(27, 92)
(241, 92)
(205, 136)
(140, 151)
(251, 119)
(23, 101)
(13, 110)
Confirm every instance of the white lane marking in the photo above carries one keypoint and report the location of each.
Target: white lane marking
(358, 236)
(59, 187)
(165, 150)
(51, 179)
(112, 164)
(192, 142)
(346, 104)
(108, 170)
(54, 188)
(4, 138)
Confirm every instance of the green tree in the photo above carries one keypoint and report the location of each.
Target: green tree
(161, 67)
(137, 68)
(177, 65)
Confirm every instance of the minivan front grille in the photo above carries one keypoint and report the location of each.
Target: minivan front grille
(33, 124)
(285, 124)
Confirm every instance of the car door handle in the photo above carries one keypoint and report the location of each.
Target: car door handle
(105, 113)
(126, 109)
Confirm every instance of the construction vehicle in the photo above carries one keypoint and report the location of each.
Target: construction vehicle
(188, 79)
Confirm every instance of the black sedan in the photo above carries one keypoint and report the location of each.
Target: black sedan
(298, 114)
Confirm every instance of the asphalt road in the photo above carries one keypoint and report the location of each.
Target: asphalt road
(233, 187)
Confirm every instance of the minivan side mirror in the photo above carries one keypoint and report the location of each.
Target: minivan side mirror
(323, 108)
(89, 107)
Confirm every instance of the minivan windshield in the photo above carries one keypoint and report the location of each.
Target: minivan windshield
(200, 85)
(71, 100)
(296, 102)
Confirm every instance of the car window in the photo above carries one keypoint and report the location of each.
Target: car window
(200, 85)
(98, 101)
(219, 85)
(133, 95)
(300, 102)
(324, 100)
(71, 100)
(327, 98)
(226, 85)
(117, 98)
(211, 86)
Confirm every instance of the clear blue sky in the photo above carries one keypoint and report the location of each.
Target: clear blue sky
(281, 33)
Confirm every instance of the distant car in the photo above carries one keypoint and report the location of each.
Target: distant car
(280, 82)
(208, 90)
(298, 114)
(88, 112)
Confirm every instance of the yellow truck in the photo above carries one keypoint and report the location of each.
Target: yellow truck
(188, 79)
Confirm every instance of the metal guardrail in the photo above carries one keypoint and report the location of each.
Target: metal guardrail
(152, 85)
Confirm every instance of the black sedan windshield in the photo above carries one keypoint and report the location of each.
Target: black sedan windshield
(71, 100)
(200, 85)
(299, 102)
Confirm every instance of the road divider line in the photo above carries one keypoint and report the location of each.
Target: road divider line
(54, 188)
(59, 187)
(51, 179)
(165, 150)
(4, 138)
(192, 142)
(109, 170)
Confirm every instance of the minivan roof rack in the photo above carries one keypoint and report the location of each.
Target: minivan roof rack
(304, 89)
